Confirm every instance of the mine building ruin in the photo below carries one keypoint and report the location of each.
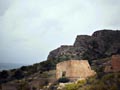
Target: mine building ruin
(74, 69)
(114, 64)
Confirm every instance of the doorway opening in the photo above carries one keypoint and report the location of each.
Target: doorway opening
(64, 74)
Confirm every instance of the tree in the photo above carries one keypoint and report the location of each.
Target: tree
(24, 68)
(18, 74)
(4, 74)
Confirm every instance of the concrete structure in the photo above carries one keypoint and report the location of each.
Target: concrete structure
(74, 69)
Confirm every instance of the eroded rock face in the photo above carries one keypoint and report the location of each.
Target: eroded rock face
(74, 69)
(102, 43)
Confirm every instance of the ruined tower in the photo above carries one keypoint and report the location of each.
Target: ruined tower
(74, 69)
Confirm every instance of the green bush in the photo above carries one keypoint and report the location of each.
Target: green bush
(81, 82)
(4, 74)
(18, 74)
(98, 87)
(114, 87)
(24, 68)
(23, 85)
(108, 77)
(63, 80)
(71, 87)
(91, 80)
(34, 88)
(75, 86)
(109, 81)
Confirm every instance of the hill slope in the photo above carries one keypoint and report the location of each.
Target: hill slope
(101, 44)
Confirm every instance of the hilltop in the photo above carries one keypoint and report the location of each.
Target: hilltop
(100, 44)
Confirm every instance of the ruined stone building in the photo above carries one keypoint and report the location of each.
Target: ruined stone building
(74, 69)
(114, 64)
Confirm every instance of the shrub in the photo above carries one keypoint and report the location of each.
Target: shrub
(24, 68)
(81, 82)
(63, 80)
(18, 74)
(114, 87)
(108, 77)
(4, 74)
(71, 87)
(23, 86)
(98, 87)
(34, 88)
(91, 80)
(75, 86)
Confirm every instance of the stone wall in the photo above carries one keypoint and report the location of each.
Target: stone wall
(74, 69)
(116, 63)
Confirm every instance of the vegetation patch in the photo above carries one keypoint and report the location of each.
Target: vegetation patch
(63, 80)
(75, 86)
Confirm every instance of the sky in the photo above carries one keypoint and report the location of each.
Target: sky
(30, 29)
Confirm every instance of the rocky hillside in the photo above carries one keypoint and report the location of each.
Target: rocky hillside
(100, 44)
(98, 48)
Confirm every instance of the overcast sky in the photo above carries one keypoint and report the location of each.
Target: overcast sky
(30, 29)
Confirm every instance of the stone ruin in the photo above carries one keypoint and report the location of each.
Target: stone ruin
(74, 69)
(114, 64)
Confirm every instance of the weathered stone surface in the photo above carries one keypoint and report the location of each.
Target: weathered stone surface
(74, 69)
(102, 43)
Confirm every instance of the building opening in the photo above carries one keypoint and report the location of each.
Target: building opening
(64, 74)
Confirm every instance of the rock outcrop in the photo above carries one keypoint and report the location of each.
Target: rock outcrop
(101, 44)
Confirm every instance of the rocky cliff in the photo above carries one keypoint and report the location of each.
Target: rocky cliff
(102, 43)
